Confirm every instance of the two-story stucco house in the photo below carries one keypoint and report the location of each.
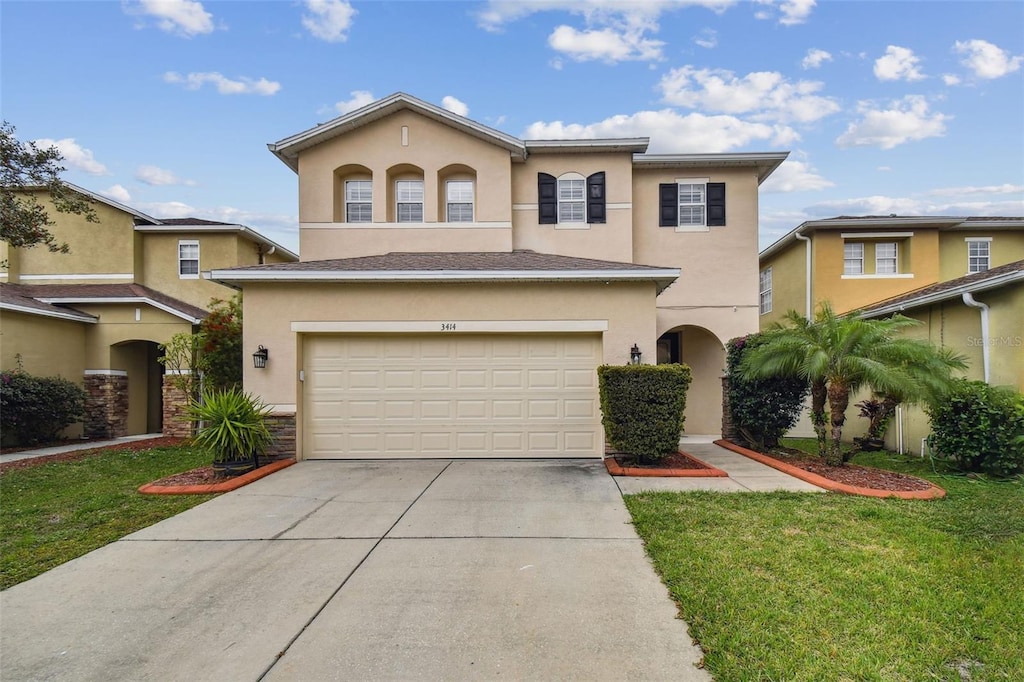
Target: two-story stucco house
(96, 315)
(459, 286)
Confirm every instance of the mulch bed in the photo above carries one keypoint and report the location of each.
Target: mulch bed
(850, 474)
(679, 460)
(164, 441)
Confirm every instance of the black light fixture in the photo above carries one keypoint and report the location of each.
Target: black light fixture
(635, 355)
(259, 358)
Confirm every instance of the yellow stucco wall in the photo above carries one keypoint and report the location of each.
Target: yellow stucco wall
(101, 248)
(611, 240)
(118, 325)
(789, 281)
(216, 250)
(433, 148)
(1006, 246)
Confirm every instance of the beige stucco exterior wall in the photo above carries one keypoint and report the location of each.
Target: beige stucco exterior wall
(789, 282)
(1007, 246)
(705, 356)
(612, 240)
(223, 250)
(919, 256)
(377, 146)
(104, 247)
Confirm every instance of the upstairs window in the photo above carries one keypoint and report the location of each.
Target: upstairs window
(459, 195)
(886, 261)
(572, 204)
(188, 259)
(978, 254)
(691, 203)
(358, 201)
(853, 258)
(766, 290)
(409, 195)
(571, 199)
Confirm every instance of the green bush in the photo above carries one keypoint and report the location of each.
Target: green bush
(762, 410)
(980, 428)
(36, 409)
(231, 425)
(221, 334)
(642, 408)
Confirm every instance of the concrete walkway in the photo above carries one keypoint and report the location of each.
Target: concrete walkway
(432, 570)
(73, 447)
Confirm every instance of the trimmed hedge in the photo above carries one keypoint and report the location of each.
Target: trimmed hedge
(980, 427)
(36, 409)
(762, 410)
(642, 408)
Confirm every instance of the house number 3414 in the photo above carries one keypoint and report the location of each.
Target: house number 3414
(447, 326)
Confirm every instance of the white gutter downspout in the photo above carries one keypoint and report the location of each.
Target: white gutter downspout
(969, 300)
(807, 269)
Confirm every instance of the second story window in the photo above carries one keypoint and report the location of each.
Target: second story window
(691, 204)
(766, 290)
(572, 203)
(459, 194)
(358, 201)
(409, 194)
(853, 258)
(978, 255)
(886, 258)
(188, 259)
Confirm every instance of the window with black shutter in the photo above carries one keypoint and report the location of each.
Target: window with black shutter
(716, 204)
(596, 198)
(668, 201)
(547, 199)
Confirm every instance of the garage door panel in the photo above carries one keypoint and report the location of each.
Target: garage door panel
(444, 396)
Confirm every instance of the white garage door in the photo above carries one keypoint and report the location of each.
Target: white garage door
(395, 396)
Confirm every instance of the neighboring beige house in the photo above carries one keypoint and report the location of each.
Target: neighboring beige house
(96, 315)
(459, 286)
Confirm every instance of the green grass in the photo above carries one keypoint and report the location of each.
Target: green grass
(786, 586)
(52, 513)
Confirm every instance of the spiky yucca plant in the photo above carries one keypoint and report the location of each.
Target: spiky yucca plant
(231, 425)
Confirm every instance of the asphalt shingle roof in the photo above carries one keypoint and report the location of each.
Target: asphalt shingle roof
(20, 295)
(939, 288)
(79, 292)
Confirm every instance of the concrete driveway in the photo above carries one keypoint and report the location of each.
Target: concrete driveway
(365, 571)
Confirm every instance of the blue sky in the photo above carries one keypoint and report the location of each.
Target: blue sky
(886, 107)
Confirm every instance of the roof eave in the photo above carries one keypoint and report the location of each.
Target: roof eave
(244, 230)
(945, 295)
(60, 315)
(765, 162)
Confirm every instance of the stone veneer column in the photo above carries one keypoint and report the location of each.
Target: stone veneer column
(106, 403)
(282, 427)
(175, 406)
(728, 430)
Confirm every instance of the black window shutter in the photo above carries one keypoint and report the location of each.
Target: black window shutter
(595, 198)
(668, 200)
(716, 204)
(547, 199)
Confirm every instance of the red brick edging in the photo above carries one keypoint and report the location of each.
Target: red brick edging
(226, 486)
(616, 469)
(932, 493)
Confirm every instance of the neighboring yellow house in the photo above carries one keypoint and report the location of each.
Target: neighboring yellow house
(919, 266)
(459, 286)
(96, 315)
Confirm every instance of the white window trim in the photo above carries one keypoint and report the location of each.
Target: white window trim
(188, 242)
(571, 224)
(896, 257)
(448, 201)
(988, 256)
(765, 274)
(422, 202)
(370, 202)
(899, 275)
(845, 258)
(692, 228)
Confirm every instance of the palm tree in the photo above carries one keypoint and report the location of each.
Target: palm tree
(839, 354)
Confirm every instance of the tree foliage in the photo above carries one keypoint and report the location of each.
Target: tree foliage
(839, 354)
(36, 409)
(642, 408)
(222, 343)
(23, 218)
(762, 410)
(980, 427)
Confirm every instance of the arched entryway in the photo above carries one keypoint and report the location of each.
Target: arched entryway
(705, 355)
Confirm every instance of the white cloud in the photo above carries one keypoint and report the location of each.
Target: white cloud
(117, 193)
(359, 99)
(279, 227)
(765, 94)
(815, 58)
(707, 38)
(950, 79)
(497, 13)
(329, 19)
(885, 205)
(795, 176)
(670, 132)
(154, 175)
(606, 44)
(455, 106)
(898, 63)
(225, 86)
(904, 121)
(185, 18)
(74, 155)
(793, 12)
(987, 60)
(884, 169)
(1005, 188)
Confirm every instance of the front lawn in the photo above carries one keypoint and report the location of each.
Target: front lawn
(54, 512)
(786, 586)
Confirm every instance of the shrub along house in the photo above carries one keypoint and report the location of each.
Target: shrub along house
(460, 286)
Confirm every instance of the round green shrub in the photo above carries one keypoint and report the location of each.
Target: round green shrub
(36, 409)
(642, 408)
(980, 427)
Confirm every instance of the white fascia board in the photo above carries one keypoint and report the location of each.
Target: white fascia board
(118, 275)
(955, 292)
(241, 229)
(636, 145)
(440, 275)
(124, 299)
(110, 202)
(875, 235)
(14, 307)
(449, 326)
(767, 162)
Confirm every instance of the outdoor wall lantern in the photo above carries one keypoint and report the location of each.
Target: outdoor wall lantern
(259, 358)
(635, 355)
